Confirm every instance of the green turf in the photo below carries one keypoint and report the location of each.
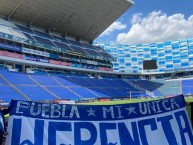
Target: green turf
(119, 102)
(188, 107)
(189, 110)
(189, 99)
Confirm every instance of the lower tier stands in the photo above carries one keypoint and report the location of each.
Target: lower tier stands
(64, 81)
(16, 78)
(21, 86)
(149, 85)
(45, 87)
(168, 88)
(36, 93)
(44, 80)
(84, 92)
(187, 86)
(7, 93)
(64, 93)
(2, 82)
(116, 92)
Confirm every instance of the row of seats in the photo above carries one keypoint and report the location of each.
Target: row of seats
(7, 93)
(45, 87)
(17, 78)
(168, 88)
(187, 86)
(67, 44)
(35, 92)
(48, 60)
(149, 85)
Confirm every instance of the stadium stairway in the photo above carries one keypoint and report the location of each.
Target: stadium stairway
(47, 90)
(93, 92)
(54, 78)
(76, 85)
(96, 87)
(80, 86)
(14, 90)
(63, 91)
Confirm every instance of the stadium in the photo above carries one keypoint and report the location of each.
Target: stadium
(47, 54)
(45, 58)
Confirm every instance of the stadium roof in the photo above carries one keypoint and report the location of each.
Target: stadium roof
(84, 19)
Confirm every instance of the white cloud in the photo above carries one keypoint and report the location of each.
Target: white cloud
(157, 27)
(113, 27)
(136, 18)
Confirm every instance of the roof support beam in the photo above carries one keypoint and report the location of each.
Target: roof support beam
(53, 26)
(64, 35)
(30, 24)
(8, 18)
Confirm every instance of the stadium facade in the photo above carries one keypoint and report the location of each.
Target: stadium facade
(171, 56)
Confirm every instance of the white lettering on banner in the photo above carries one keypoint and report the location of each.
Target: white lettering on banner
(105, 111)
(154, 107)
(47, 110)
(37, 52)
(172, 129)
(91, 62)
(159, 122)
(146, 108)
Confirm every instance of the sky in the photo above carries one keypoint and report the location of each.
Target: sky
(149, 21)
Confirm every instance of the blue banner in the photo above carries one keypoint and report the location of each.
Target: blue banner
(159, 122)
(10, 47)
(55, 56)
(33, 58)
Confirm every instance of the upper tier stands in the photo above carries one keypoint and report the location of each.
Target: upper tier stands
(24, 29)
(43, 41)
(23, 54)
(63, 45)
(54, 42)
(44, 35)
